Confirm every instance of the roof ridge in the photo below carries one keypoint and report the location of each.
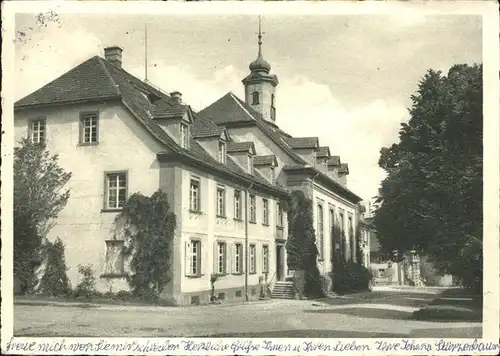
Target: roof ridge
(101, 61)
(235, 98)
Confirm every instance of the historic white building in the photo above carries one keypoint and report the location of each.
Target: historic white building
(225, 170)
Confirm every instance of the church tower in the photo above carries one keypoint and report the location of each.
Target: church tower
(260, 86)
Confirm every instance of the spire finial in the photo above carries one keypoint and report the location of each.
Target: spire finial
(260, 37)
(146, 52)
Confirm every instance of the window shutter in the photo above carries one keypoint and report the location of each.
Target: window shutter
(203, 259)
(216, 257)
(187, 258)
(227, 267)
(233, 258)
(243, 259)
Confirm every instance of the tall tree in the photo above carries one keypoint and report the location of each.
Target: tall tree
(431, 199)
(39, 196)
(301, 244)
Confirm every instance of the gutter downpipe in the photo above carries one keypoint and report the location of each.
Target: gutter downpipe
(246, 240)
(312, 193)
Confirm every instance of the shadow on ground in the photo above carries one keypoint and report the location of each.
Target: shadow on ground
(312, 334)
(366, 313)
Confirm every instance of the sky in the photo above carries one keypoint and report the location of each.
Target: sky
(346, 79)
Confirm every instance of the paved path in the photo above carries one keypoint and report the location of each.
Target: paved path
(376, 314)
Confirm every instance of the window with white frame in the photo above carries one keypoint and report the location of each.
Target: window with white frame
(221, 201)
(238, 258)
(37, 131)
(279, 211)
(253, 209)
(250, 164)
(114, 263)
(222, 152)
(184, 135)
(265, 212)
(265, 258)
(272, 175)
(194, 195)
(193, 260)
(221, 258)
(89, 128)
(320, 230)
(253, 263)
(116, 190)
(237, 205)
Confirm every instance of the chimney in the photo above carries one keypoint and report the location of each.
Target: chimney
(177, 96)
(113, 55)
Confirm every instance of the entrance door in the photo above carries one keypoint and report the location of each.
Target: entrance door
(279, 263)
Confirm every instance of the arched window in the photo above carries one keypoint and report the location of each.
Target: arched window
(255, 98)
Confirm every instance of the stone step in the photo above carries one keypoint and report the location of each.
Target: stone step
(283, 290)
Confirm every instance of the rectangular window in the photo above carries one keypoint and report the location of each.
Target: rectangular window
(37, 131)
(331, 221)
(265, 212)
(265, 258)
(114, 265)
(238, 258)
(194, 258)
(221, 201)
(221, 258)
(89, 128)
(222, 152)
(184, 139)
(280, 215)
(253, 213)
(250, 164)
(253, 264)
(271, 175)
(237, 205)
(320, 230)
(116, 190)
(194, 195)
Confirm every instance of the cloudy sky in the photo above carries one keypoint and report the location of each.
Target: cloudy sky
(345, 79)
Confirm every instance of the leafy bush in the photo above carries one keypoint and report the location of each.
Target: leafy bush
(352, 277)
(55, 282)
(86, 287)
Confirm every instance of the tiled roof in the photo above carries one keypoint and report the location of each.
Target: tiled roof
(240, 112)
(344, 168)
(87, 81)
(164, 110)
(302, 142)
(226, 110)
(206, 128)
(98, 79)
(323, 151)
(264, 160)
(240, 147)
(334, 161)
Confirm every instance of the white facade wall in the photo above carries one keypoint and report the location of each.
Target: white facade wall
(123, 145)
(329, 200)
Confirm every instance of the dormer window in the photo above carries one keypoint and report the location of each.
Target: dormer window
(222, 152)
(250, 164)
(271, 174)
(184, 135)
(255, 98)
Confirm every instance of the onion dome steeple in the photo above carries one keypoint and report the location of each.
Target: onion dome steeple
(260, 86)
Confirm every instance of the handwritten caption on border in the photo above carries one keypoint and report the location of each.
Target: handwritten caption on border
(239, 347)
